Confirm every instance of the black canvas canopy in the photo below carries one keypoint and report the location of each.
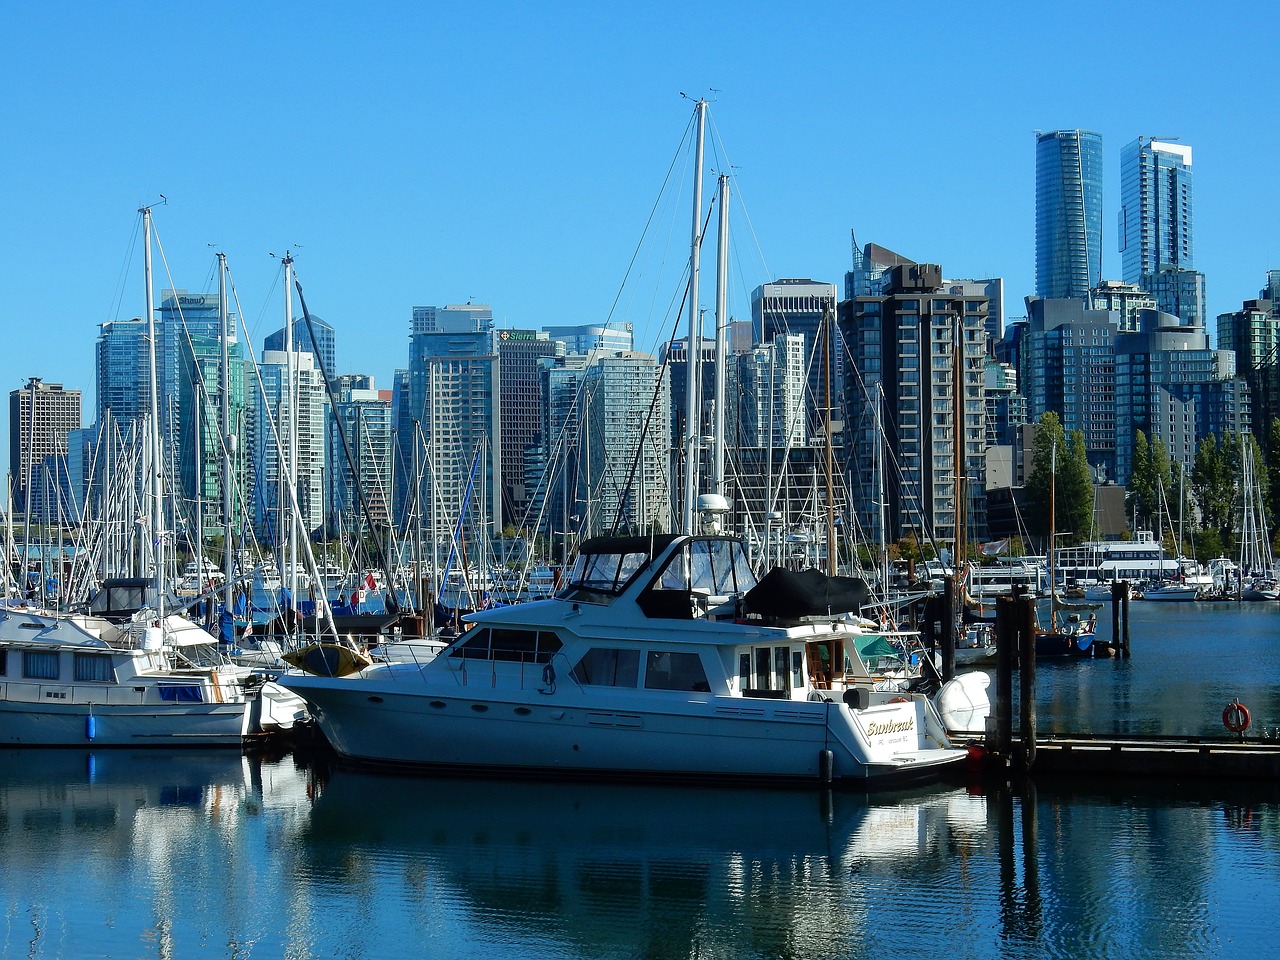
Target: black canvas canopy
(791, 594)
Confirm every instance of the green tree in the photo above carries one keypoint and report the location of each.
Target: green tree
(1213, 484)
(1063, 494)
(1074, 491)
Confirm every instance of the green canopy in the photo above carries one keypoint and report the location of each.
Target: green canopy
(873, 645)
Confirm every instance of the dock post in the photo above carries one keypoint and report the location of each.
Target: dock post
(1124, 610)
(1006, 638)
(1025, 617)
(954, 604)
(1115, 615)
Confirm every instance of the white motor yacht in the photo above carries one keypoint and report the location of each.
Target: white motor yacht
(661, 658)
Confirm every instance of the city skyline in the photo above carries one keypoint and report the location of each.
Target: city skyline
(399, 178)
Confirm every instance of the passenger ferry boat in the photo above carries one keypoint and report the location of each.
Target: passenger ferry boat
(1103, 561)
(661, 658)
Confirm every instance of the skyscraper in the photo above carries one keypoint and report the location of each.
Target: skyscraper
(805, 307)
(40, 417)
(1068, 213)
(520, 412)
(1156, 223)
(452, 422)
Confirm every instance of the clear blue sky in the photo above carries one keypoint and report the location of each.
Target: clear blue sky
(510, 153)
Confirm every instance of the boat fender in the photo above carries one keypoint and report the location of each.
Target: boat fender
(826, 766)
(1235, 717)
(857, 698)
(90, 727)
(900, 700)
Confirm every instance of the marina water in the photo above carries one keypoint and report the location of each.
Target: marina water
(120, 853)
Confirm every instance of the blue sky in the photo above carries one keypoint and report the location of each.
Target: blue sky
(423, 153)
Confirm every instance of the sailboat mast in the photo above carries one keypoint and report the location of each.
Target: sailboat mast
(722, 339)
(157, 503)
(693, 349)
(291, 415)
(224, 426)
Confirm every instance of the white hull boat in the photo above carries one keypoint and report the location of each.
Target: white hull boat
(71, 680)
(641, 668)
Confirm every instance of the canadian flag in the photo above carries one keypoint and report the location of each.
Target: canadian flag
(370, 583)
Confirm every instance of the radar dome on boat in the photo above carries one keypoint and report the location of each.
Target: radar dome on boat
(712, 503)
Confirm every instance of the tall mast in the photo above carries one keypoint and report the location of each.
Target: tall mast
(694, 343)
(722, 338)
(289, 473)
(157, 489)
(228, 441)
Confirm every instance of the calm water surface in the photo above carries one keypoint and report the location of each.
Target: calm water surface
(182, 854)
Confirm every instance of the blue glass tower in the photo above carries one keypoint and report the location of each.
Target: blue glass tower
(1068, 213)
(1155, 227)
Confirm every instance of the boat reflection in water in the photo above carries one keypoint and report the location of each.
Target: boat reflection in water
(628, 870)
(181, 853)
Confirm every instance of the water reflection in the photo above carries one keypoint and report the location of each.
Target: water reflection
(175, 853)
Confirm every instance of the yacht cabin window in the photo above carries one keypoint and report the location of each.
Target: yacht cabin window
(608, 667)
(716, 566)
(4, 664)
(93, 667)
(665, 670)
(504, 643)
(40, 664)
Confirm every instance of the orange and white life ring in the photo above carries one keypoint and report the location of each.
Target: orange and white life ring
(1235, 717)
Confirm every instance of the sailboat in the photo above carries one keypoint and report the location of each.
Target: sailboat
(130, 670)
(663, 657)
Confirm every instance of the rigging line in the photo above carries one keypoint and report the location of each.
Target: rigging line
(126, 269)
(692, 356)
(636, 252)
(342, 435)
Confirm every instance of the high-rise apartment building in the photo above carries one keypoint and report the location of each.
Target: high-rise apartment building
(807, 308)
(359, 440)
(1156, 226)
(270, 426)
(520, 413)
(40, 417)
(1173, 388)
(1252, 333)
(316, 338)
(1067, 365)
(450, 428)
(1069, 178)
(916, 415)
(625, 414)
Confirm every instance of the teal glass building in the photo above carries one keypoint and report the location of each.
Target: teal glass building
(1069, 169)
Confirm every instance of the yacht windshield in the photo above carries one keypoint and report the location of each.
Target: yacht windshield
(716, 566)
(602, 576)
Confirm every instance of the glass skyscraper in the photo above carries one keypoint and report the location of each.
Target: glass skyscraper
(1156, 226)
(1068, 213)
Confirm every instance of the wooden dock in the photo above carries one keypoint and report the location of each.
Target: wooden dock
(1150, 756)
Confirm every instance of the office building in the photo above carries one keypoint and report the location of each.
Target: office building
(520, 413)
(807, 308)
(614, 336)
(1069, 178)
(1067, 365)
(40, 417)
(1173, 388)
